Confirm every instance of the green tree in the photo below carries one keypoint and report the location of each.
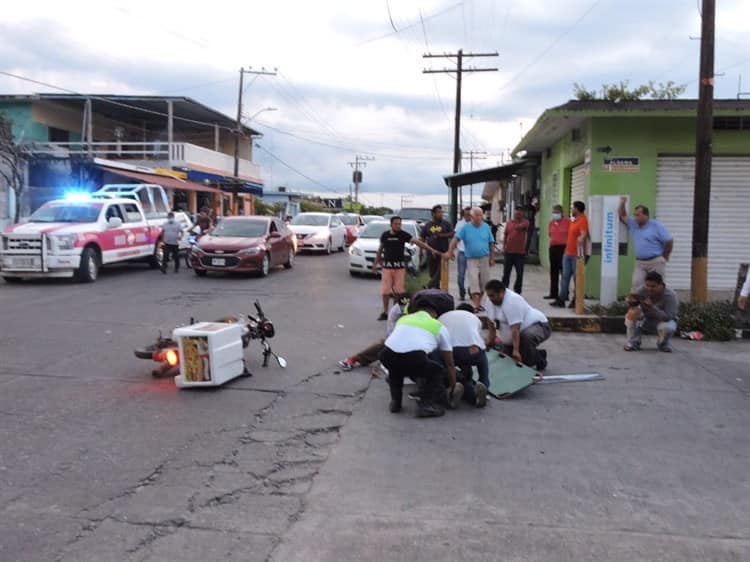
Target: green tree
(621, 91)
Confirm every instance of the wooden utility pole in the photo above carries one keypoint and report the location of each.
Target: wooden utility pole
(357, 173)
(459, 70)
(703, 157)
(238, 132)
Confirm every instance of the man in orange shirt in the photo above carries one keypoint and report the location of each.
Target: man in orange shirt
(577, 233)
(514, 249)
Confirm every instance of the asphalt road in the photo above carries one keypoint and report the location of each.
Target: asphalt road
(99, 461)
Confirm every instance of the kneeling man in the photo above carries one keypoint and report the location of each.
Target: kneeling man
(407, 354)
(528, 326)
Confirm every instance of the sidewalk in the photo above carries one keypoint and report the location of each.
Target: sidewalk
(649, 464)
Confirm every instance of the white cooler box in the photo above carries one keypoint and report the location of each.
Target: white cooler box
(210, 354)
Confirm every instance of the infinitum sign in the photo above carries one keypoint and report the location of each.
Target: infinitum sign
(610, 248)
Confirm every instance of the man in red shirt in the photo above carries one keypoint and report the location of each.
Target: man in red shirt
(577, 233)
(558, 239)
(514, 249)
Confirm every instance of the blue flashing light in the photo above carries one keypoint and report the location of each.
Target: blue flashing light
(77, 196)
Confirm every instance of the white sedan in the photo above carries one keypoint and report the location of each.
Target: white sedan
(362, 252)
(320, 232)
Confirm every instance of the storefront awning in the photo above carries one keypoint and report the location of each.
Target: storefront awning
(498, 173)
(168, 182)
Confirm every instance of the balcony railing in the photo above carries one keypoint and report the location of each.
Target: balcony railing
(154, 154)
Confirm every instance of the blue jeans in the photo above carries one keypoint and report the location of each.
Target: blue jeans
(463, 358)
(461, 274)
(569, 269)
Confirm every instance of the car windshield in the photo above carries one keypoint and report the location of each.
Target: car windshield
(349, 220)
(370, 218)
(310, 220)
(67, 212)
(240, 228)
(374, 229)
(415, 214)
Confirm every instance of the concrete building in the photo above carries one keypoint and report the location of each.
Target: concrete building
(646, 150)
(83, 141)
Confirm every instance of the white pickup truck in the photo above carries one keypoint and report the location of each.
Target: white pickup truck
(74, 237)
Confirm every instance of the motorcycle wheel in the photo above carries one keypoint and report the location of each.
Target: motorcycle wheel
(188, 254)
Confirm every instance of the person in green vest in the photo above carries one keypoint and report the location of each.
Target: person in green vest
(408, 351)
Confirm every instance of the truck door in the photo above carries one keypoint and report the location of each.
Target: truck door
(135, 224)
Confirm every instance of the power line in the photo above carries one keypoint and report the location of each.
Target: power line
(296, 171)
(436, 14)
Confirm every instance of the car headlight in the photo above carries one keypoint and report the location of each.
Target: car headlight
(64, 241)
(355, 250)
(250, 251)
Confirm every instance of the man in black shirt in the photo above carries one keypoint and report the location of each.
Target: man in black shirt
(391, 250)
(437, 233)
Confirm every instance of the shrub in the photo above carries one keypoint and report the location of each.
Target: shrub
(714, 320)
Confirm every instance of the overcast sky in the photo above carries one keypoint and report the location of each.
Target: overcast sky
(350, 75)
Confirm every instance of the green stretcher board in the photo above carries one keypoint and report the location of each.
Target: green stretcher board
(507, 377)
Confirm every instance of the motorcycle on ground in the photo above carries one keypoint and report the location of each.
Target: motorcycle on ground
(165, 351)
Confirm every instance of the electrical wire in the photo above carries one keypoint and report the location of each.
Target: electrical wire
(296, 171)
(389, 34)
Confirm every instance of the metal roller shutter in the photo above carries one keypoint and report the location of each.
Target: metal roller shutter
(577, 184)
(728, 220)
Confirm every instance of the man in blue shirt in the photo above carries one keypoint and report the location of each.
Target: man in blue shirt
(478, 248)
(651, 241)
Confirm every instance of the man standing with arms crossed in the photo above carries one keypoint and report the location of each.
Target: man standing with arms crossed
(437, 234)
(577, 233)
(514, 249)
(558, 238)
(478, 247)
(651, 241)
(391, 250)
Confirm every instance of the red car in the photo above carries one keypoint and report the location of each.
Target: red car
(245, 244)
(353, 223)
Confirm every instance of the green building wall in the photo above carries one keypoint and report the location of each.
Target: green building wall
(24, 129)
(644, 137)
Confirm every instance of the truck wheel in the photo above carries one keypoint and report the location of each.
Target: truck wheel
(8, 279)
(154, 262)
(289, 260)
(88, 271)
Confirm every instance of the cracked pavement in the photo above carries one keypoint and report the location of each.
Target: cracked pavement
(100, 461)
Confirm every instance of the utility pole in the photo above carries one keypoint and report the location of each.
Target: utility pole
(357, 173)
(238, 133)
(473, 155)
(459, 70)
(703, 157)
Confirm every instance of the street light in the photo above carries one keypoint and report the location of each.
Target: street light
(254, 115)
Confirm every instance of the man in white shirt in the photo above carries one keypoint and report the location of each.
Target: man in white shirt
(465, 330)
(528, 326)
(407, 354)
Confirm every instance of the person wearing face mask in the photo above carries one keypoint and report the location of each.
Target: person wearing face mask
(171, 234)
(558, 238)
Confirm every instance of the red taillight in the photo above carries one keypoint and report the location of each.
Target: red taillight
(172, 358)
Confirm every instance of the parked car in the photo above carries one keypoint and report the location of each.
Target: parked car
(369, 218)
(245, 244)
(319, 232)
(420, 215)
(362, 252)
(353, 224)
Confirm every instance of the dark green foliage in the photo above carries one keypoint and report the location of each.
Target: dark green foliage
(714, 319)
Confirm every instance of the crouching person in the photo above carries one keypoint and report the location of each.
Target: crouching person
(465, 330)
(406, 353)
(528, 326)
(653, 309)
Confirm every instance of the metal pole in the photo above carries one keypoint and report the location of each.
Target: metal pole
(170, 130)
(456, 137)
(239, 127)
(703, 157)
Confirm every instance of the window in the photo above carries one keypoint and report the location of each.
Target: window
(160, 203)
(335, 221)
(132, 213)
(113, 211)
(273, 227)
(145, 201)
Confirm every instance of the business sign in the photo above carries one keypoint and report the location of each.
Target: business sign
(622, 164)
(610, 248)
(333, 203)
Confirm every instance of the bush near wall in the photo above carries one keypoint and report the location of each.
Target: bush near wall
(715, 320)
